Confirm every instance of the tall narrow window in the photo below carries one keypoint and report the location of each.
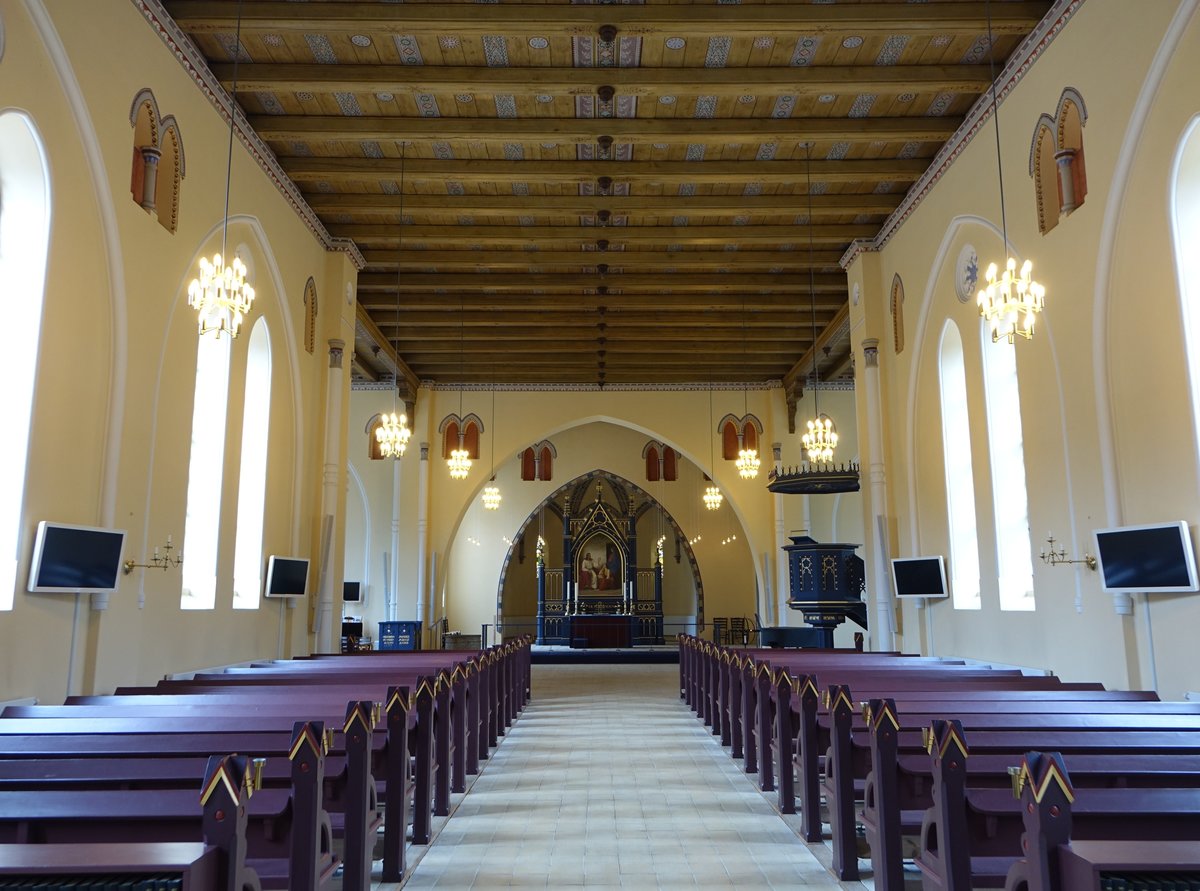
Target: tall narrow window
(205, 469)
(1185, 226)
(24, 240)
(1006, 446)
(960, 481)
(252, 487)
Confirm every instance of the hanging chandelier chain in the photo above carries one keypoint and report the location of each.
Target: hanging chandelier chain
(812, 288)
(996, 118)
(237, 54)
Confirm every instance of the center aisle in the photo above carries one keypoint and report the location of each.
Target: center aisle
(608, 780)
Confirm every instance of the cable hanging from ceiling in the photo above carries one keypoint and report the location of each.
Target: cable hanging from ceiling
(821, 439)
(393, 432)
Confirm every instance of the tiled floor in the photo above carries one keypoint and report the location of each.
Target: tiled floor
(608, 780)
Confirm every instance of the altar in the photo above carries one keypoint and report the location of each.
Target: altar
(601, 631)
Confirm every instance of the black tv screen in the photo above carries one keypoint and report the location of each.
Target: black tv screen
(287, 576)
(68, 558)
(352, 592)
(919, 577)
(1149, 558)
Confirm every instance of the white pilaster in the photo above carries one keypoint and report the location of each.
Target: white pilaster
(423, 533)
(334, 461)
(884, 631)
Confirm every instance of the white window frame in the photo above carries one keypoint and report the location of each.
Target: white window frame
(960, 478)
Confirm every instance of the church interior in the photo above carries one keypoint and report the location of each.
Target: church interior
(572, 322)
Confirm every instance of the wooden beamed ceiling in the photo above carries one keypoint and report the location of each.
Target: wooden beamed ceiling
(651, 193)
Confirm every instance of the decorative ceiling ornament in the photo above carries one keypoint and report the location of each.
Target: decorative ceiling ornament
(221, 295)
(1011, 301)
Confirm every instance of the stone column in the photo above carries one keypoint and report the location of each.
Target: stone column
(150, 159)
(884, 630)
(393, 608)
(1065, 160)
(334, 462)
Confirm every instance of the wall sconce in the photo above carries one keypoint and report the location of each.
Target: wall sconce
(164, 562)
(1054, 558)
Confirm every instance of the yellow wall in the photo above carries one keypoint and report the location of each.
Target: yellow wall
(110, 434)
(1105, 406)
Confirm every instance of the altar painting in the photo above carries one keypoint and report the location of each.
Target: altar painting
(601, 565)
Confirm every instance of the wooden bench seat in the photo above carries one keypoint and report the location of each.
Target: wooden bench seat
(195, 865)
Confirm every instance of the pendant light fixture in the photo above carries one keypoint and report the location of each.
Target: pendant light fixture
(712, 494)
(491, 492)
(393, 432)
(747, 463)
(821, 439)
(221, 295)
(459, 461)
(1010, 302)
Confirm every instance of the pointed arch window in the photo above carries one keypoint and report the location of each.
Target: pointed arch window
(1006, 450)
(24, 244)
(206, 464)
(252, 485)
(960, 479)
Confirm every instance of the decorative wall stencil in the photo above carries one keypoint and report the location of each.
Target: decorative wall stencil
(272, 40)
(269, 103)
(321, 48)
(466, 220)
(764, 42)
(801, 220)
(549, 145)
(514, 151)
(343, 218)
(775, 270)
(746, 100)
(718, 52)
(939, 105)
(626, 106)
(300, 149)
(455, 188)
(385, 97)
(495, 51)
(679, 221)
(941, 40)
(862, 218)
(826, 98)
(408, 51)
(820, 188)
(304, 96)
(675, 43)
(427, 105)
(521, 190)
(448, 41)
(706, 107)
(661, 146)
(695, 152)
(838, 151)
(783, 107)
(464, 97)
(544, 98)
(324, 186)
(389, 186)
(892, 48)
(538, 42)
(525, 221)
(852, 42)
(442, 150)
(909, 150)
(361, 40)
(348, 103)
(666, 100)
(883, 188)
(862, 105)
(585, 151)
(506, 106)
(630, 51)
(752, 189)
(585, 106)
(581, 52)
(371, 149)
(806, 48)
(740, 220)
(906, 97)
(966, 274)
(687, 190)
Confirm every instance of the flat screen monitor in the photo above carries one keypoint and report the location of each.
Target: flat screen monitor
(919, 577)
(287, 576)
(352, 592)
(67, 559)
(1152, 558)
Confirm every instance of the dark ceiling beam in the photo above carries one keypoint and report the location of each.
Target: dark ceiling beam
(588, 205)
(615, 318)
(382, 233)
(639, 81)
(586, 130)
(407, 380)
(828, 335)
(306, 169)
(616, 260)
(626, 282)
(966, 18)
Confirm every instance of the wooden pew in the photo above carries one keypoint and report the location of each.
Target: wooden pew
(216, 817)
(973, 837)
(174, 737)
(194, 865)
